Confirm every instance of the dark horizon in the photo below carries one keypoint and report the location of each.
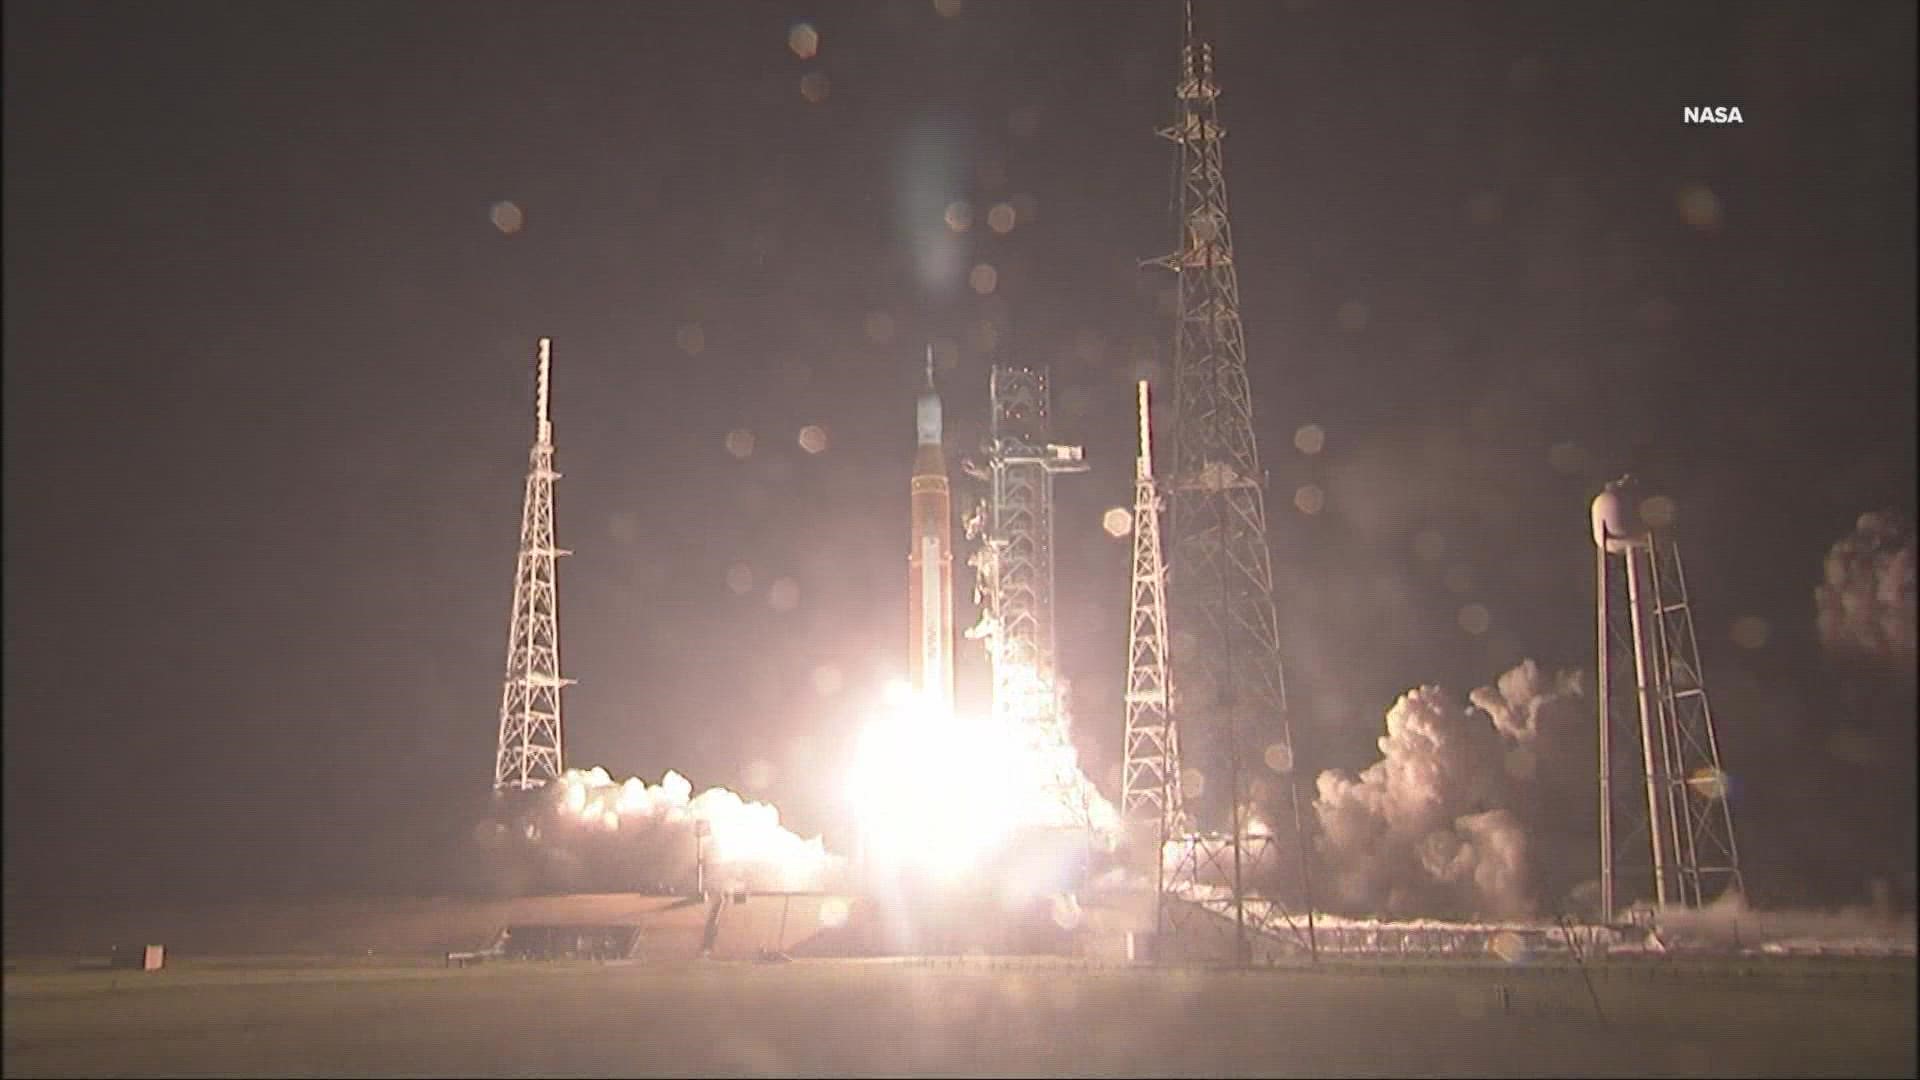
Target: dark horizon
(269, 366)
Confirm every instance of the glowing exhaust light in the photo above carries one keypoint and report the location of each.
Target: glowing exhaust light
(897, 695)
(939, 793)
(929, 788)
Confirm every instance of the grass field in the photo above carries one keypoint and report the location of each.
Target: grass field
(275, 1018)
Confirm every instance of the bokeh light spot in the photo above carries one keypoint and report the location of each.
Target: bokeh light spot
(624, 526)
(1309, 499)
(1699, 206)
(804, 40)
(959, 215)
(691, 338)
(813, 439)
(984, 279)
(1708, 782)
(1002, 218)
(1193, 782)
(1568, 457)
(1475, 618)
(1118, 522)
(784, 595)
(1659, 511)
(1751, 632)
(507, 217)
(1279, 758)
(740, 443)
(1310, 439)
(946, 354)
(814, 87)
(1508, 946)
(740, 578)
(757, 774)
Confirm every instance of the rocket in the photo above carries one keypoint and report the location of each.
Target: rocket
(930, 558)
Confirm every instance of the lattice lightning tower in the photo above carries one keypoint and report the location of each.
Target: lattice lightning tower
(1226, 651)
(529, 754)
(1660, 768)
(1150, 776)
(1015, 559)
(1150, 801)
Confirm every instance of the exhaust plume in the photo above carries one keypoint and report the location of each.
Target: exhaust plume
(744, 844)
(1865, 605)
(1447, 822)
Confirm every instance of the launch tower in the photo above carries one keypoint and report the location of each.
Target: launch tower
(529, 750)
(1657, 743)
(1230, 695)
(1014, 563)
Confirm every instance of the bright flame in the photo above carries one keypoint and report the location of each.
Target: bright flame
(929, 787)
(939, 792)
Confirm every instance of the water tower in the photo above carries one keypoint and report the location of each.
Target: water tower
(1657, 740)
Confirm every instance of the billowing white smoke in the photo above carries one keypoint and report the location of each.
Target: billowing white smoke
(1866, 604)
(1439, 826)
(1728, 922)
(744, 843)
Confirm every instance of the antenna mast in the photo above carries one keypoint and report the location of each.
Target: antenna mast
(529, 752)
(1150, 798)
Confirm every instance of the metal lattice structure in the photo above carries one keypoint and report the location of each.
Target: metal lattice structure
(1229, 689)
(1150, 800)
(1660, 771)
(1015, 559)
(529, 754)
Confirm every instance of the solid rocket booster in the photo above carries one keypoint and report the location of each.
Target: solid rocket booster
(930, 559)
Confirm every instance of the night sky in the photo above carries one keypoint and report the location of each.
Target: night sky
(268, 382)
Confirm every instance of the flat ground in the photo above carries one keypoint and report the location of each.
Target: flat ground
(1033, 1018)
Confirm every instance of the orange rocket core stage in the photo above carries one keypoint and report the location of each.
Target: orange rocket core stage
(930, 558)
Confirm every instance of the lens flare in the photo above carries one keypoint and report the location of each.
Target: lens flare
(928, 786)
(938, 792)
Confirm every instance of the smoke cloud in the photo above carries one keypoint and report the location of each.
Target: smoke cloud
(589, 833)
(1865, 605)
(744, 844)
(1449, 821)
